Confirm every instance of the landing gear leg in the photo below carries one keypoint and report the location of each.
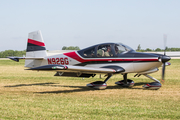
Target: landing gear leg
(109, 76)
(100, 84)
(125, 78)
(152, 78)
(126, 82)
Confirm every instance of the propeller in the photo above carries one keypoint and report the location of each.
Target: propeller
(164, 59)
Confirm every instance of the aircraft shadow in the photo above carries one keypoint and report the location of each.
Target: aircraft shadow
(80, 88)
(85, 88)
(21, 85)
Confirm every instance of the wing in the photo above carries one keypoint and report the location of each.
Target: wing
(69, 68)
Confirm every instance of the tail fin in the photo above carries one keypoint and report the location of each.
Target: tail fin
(35, 49)
(35, 45)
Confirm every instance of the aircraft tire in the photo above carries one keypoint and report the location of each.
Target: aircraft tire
(130, 83)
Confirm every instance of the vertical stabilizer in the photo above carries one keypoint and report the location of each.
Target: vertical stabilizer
(35, 49)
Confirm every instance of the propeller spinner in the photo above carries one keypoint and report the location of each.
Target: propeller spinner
(164, 59)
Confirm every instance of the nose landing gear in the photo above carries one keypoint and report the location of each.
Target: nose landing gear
(154, 85)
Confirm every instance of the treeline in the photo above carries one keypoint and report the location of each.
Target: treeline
(158, 49)
(8, 53)
(70, 48)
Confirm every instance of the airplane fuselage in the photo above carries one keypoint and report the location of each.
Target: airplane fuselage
(130, 64)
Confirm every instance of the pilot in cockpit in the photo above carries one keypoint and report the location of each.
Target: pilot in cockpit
(116, 50)
(107, 53)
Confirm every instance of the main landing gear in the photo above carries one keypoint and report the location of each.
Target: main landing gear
(100, 84)
(125, 83)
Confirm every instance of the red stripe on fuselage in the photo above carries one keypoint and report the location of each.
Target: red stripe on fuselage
(36, 42)
(75, 56)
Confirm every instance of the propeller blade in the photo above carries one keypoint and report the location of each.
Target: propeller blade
(165, 39)
(163, 72)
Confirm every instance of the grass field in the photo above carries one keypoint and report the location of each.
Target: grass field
(39, 95)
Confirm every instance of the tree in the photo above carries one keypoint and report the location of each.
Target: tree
(148, 49)
(139, 47)
(158, 49)
(64, 48)
(77, 48)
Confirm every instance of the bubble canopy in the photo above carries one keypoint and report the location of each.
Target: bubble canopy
(105, 50)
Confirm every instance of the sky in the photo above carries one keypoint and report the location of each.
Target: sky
(85, 23)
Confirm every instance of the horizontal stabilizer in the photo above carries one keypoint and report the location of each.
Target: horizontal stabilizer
(27, 58)
(16, 58)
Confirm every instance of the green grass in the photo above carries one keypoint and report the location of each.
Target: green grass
(39, 95)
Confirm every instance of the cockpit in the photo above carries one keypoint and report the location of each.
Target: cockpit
(105, 50)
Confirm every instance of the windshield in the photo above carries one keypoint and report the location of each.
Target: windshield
(119, 48)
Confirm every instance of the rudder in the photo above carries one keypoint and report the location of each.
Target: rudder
(36, 44)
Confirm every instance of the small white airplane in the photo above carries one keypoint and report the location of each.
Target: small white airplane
(105, 58)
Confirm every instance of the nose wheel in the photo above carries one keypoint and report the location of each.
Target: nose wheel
(152, 86)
